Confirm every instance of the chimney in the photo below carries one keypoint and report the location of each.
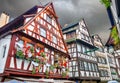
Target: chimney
(4, 19)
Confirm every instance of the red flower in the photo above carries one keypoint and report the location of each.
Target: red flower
(65, 64)
(27, 49)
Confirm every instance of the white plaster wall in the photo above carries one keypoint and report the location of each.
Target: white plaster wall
(4, 41)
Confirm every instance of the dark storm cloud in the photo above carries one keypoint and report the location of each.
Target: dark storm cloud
(67, 10)
(16, 7)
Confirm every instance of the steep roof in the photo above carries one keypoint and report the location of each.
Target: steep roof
(18, 22)
(70, 25)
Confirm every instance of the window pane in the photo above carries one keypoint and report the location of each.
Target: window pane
(76, 74)
(93, 67)
(86, 65)
(79, 47)
(89, 65)
(81, 65)
(49, 19)
(96, 68)
(42, 32)
(54, 39)
(19, 45)
(74, 55)
(83, 49)
(74, 62)
(29, 44)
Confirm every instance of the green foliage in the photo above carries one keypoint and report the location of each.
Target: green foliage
(52, 67)
(106, 3)
(33, 71)
(19, 54)
(43, 54)
(47, 73)
(64, 74)
(31, 49)
(37, 60)
(67, 70)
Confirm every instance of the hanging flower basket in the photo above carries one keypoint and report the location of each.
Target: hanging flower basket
(19, 54)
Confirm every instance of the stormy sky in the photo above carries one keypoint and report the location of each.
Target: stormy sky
(68, 11)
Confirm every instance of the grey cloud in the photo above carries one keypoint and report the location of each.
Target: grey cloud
(67, 11)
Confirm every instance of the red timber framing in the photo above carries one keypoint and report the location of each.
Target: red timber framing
(37, 48)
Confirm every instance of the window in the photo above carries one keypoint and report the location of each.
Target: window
(110, 60)
(83, 49)
(79, 47)
(74, 68)
(3, 51)
(19, 45)
(20, 42)
(70, 68)
(93, 67)
(96, 68)
(54, 39)
(74, 62)
(106, 73)
(103, 73)
(89, 65)
(81, 65)
(49, 19)
(89, 53)
(42, 32)
(71, 35)
(29, 44)
(74, 55)
(76, 74)
(86, 65)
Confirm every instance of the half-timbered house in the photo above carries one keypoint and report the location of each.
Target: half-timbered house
(32, 46)
(102, 59)
(112, 64)
(83, 65)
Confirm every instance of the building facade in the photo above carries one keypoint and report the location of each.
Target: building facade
(32, 46)
(83, 65)
(102, 59)
(113, 64)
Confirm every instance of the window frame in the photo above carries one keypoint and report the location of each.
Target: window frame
(44, 32)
